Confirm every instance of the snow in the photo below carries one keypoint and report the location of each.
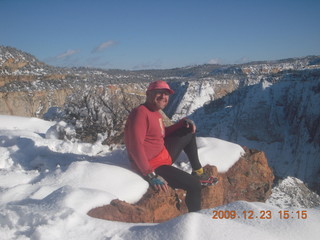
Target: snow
(24, 123)
(48, 185)
(218, 152)
(204, 93)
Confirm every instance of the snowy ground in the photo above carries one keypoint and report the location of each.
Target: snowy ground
(48, 185)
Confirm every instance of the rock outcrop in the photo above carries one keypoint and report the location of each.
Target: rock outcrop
(249, 179)
(31, 104)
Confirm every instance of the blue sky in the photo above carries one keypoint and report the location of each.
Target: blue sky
(157, 34)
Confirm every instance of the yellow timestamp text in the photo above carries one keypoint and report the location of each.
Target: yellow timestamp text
(263, 214)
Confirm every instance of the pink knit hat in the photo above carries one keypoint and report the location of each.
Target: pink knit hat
(160, 85)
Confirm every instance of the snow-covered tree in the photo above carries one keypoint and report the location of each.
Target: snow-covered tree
(101, 111)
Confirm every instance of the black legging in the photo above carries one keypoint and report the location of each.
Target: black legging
(183, 139)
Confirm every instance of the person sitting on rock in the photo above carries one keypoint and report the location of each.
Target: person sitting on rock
(153, 148)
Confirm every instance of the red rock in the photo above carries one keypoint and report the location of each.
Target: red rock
(249, 179)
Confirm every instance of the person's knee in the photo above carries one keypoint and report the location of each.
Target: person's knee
(185, 133)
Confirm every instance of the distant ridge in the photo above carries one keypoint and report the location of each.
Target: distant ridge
(7, 52)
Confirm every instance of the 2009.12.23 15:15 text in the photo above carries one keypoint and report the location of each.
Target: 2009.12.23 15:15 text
(263, 214)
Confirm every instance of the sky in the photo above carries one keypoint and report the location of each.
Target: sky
(153, 34)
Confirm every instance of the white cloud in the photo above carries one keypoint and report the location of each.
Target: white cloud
(68, 53)
(103, 46)
(215, 61)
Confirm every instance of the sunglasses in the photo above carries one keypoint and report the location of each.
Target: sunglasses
(161, 91)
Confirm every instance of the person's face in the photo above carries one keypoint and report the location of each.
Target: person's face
(158, 99)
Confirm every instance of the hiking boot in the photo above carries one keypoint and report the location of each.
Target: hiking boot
(206, 179)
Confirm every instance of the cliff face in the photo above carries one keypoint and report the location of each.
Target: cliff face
(32, 104)
(191, 95)
(22, 88)
(279, 115)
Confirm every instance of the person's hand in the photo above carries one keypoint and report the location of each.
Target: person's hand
(188, 123)
(157, 182)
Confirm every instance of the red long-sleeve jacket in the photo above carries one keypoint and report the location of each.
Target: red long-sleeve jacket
(144, 139)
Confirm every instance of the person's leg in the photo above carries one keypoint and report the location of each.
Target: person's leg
(183, 139)
(177, 178)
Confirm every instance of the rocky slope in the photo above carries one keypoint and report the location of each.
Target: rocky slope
(29, 87)
(292, 192)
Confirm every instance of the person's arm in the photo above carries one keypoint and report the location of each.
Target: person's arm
(184, 122)
(135, 133)
(174, 127)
